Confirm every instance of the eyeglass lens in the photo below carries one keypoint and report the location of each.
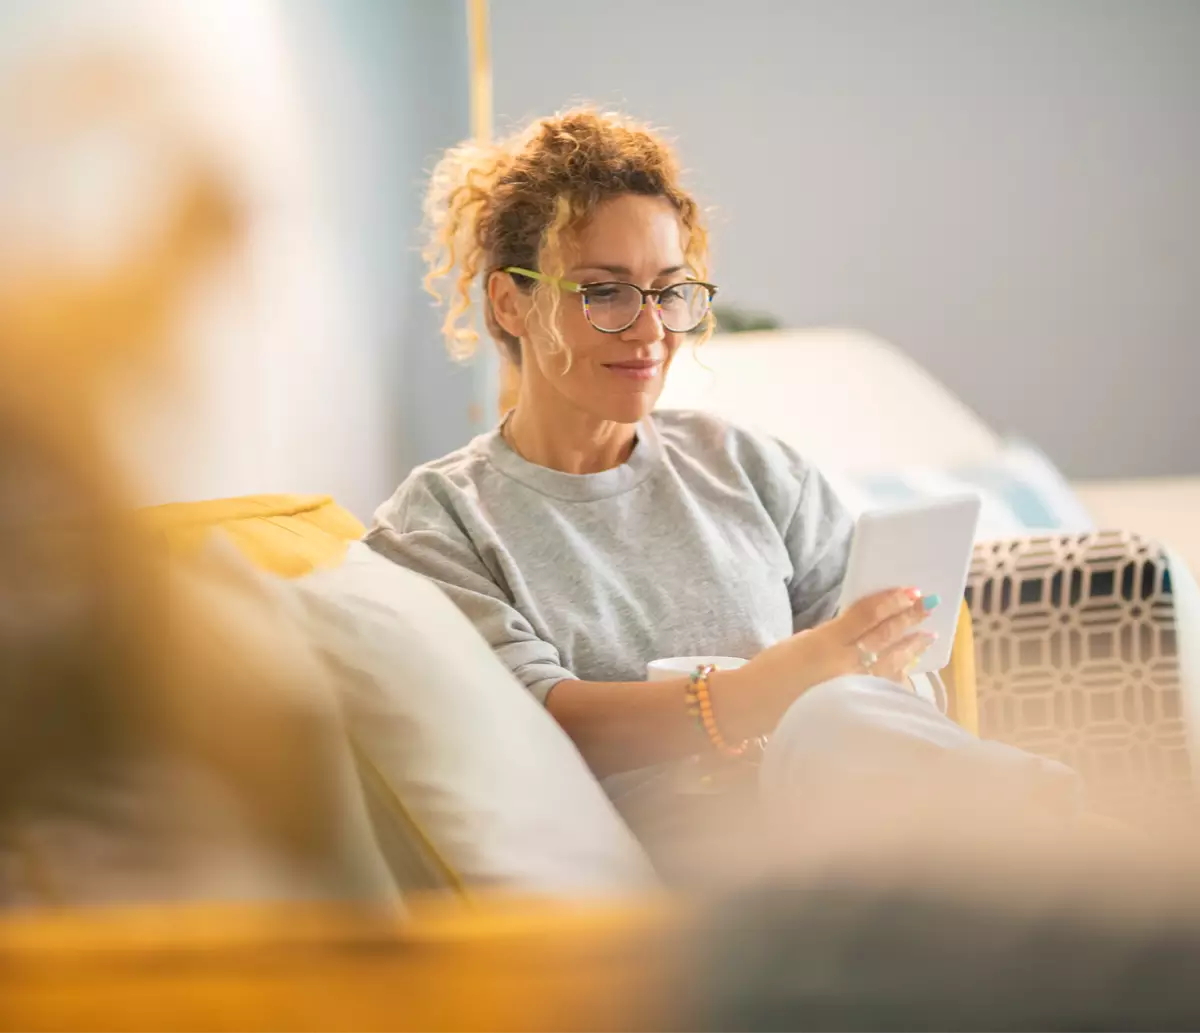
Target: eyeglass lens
(615, 306)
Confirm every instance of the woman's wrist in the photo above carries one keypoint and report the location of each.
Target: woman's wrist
(736, 704)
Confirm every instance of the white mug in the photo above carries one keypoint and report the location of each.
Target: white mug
(685, 666)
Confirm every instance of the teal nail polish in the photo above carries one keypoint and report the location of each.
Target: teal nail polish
(930, 602)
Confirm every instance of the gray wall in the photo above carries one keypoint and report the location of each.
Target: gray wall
(1009, 190)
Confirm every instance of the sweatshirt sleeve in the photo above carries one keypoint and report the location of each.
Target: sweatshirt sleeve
(440, 550)
(814, 523)
(818, 542)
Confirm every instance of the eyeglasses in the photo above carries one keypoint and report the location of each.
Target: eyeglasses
(613, 306)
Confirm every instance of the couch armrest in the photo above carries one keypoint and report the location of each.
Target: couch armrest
(1166, 509)
(1077, 659)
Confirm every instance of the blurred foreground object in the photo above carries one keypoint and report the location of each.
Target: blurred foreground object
(168, 733)
(1055, 945)
(515, 965)
(965, 940)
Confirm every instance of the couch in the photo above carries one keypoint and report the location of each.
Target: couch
(1072, 647)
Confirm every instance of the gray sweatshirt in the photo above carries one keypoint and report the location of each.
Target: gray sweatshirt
(709, 540)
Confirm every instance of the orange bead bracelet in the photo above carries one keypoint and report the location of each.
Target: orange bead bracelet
(699, 705)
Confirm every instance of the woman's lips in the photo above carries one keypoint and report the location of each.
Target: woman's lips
(636, 369)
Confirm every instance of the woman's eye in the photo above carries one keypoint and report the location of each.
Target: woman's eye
(602, 293)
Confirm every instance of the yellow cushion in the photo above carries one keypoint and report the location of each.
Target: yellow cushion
(287, 535)
(965, 703)
(962, 674)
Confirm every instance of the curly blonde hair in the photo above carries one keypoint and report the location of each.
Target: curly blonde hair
(511, 204)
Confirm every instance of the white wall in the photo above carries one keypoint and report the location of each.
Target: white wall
(1008, 189)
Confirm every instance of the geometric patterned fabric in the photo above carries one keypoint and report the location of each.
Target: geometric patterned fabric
(1075, 648)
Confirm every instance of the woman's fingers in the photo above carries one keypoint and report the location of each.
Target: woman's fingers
(906, 606)
(886, 634)
(855, 621)
(896, 662)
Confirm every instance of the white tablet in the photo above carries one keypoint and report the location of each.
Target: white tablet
(926, 546)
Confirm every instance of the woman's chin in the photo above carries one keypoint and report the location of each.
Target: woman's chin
(616, 399)
(633, 407)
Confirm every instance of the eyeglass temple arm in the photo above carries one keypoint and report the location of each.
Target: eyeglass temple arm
(570, 285)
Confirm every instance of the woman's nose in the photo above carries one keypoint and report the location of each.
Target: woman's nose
(648, 325)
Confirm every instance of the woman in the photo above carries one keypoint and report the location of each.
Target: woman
(588, 535)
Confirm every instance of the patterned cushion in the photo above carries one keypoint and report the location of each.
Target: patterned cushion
(1021, 491)
(1076, 659)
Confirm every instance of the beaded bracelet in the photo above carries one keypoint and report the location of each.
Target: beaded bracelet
(699, 705)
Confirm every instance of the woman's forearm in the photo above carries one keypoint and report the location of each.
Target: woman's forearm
(618, 726)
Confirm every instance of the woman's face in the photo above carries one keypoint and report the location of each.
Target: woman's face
(612, 376)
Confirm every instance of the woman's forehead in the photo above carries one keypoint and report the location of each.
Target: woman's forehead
(634, 233)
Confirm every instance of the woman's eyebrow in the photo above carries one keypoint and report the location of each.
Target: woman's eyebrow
(621, 270)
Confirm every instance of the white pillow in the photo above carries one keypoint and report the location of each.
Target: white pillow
(470, 782)
(1021, 490)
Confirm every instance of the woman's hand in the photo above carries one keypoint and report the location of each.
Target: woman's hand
(878, 635)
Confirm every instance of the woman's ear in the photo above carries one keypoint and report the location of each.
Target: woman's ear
(510, 305)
